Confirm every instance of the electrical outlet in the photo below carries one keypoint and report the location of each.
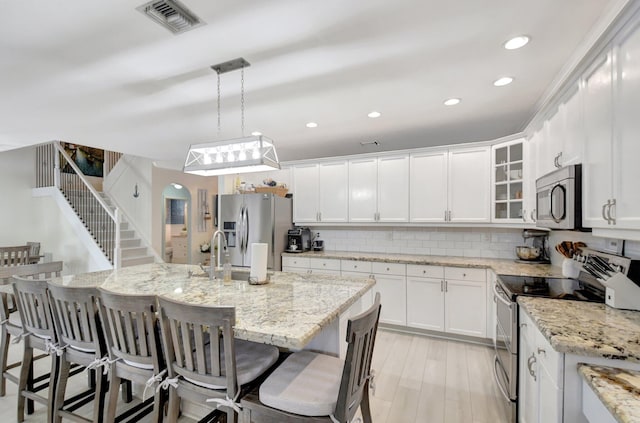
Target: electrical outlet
(614, 246)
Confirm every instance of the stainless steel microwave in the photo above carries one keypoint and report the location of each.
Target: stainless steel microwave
(559, 199)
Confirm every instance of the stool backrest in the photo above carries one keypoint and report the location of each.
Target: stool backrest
(361, 336)
(14, 256)
(130, 326)
(194, 337)
(33, 304)
(75, 315)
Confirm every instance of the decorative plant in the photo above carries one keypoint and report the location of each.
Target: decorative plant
(205, 247)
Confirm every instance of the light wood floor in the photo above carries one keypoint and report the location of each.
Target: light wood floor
(418, 379)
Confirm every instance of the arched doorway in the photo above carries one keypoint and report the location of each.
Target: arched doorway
(176, 230)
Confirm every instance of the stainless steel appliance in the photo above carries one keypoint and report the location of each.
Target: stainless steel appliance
(559, 199)
(538, 252)
(249, 218)
(298, 240)
(506, 345)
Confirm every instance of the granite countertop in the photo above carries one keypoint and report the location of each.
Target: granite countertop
(586, 329)
(287, 312)
(500, 266)
(618, 389)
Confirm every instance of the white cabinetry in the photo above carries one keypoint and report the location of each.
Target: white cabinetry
(425, 297)
(611, 173)
(508, 187)
(598, 116)
(180, 249)
(451, 186)
(295, 264)
(469, 190)
(324, 266)
(392, 285)
(540, 397)
(465, 301)
(428, 187)
(320, 192)
(447, 299)
(379, 189)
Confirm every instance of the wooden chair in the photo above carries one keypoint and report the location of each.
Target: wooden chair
(204, 361)
(80, 339)
(39, 334)
(313, 387)
(134, 350)
(14, 256)
(9, 316)
(34, 252)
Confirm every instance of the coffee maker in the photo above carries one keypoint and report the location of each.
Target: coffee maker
(298, 240)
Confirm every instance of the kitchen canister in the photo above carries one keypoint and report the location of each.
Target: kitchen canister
(570, 268)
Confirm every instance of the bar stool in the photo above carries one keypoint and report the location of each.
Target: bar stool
(134, 350)
(205, 362)
(80, 341)
(38, 333)
(313, 387)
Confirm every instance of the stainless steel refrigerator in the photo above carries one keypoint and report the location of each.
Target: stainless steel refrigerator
(249, 218)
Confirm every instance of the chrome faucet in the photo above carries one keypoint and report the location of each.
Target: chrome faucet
(214, 261)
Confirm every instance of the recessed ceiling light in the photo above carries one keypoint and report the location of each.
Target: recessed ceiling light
(451, 101)
(312, 125)
(501, 82)
(256, 133)
(516, 42)
(374, 114)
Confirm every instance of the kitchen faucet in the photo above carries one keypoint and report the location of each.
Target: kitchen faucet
(214, 262)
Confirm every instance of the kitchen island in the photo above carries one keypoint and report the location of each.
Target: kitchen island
(289, 312)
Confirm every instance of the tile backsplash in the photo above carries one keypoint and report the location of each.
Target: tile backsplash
(462, 242)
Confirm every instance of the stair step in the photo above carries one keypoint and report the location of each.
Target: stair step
(134, 261)
(130, 243)
(133, 252)
(127, 234)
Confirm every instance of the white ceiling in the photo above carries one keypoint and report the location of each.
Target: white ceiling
(104, 75)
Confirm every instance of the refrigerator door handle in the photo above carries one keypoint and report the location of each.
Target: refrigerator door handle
(245, 227)
(240, 229)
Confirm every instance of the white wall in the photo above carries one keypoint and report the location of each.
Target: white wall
(161, 178)
(26, 218)
(120, 185)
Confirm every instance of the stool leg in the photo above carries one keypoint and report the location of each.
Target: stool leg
(4, 354)
(365, 408)
(25, 371)
(61, 386)
(101, 386)
(112, 401)
(174, 405)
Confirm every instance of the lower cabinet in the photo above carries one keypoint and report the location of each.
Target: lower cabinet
(324, 266)
(391, 284)
(295, 264)
(540, 394)
(447, 299)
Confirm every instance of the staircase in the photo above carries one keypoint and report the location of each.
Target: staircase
(132, 249)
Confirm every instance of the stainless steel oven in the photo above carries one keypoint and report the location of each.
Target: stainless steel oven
(505, 363)
(559, 199)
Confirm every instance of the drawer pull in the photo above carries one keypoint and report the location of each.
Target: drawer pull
(542, 351)
(387, 269)
(424, 271)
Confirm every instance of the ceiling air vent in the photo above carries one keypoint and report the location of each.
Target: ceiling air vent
(172, 15)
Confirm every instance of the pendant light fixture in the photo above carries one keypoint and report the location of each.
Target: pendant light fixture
(254, 153)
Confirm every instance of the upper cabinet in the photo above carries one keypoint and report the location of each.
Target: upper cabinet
(320, 192)
(509, 186)
(428, 187)
(611, 92)
(469, 188)
(450, 186)
(379, 189)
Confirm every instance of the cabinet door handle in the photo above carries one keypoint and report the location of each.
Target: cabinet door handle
(524, 215)
(604, 210)
(555, 161)
(610, 218)
(533, 214)
(449, 215)
(542, 351)
(319, 216)
(523, 325)
(446, 286)
(445, 215)
(530, 362)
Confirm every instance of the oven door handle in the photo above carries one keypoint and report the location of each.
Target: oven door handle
(498, 295)
(496, 363)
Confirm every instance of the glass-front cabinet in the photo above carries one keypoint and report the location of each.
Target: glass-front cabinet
(508, 182)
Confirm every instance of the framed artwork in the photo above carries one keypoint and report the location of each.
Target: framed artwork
(89, 160)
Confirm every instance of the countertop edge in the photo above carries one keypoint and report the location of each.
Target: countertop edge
(591, 373)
